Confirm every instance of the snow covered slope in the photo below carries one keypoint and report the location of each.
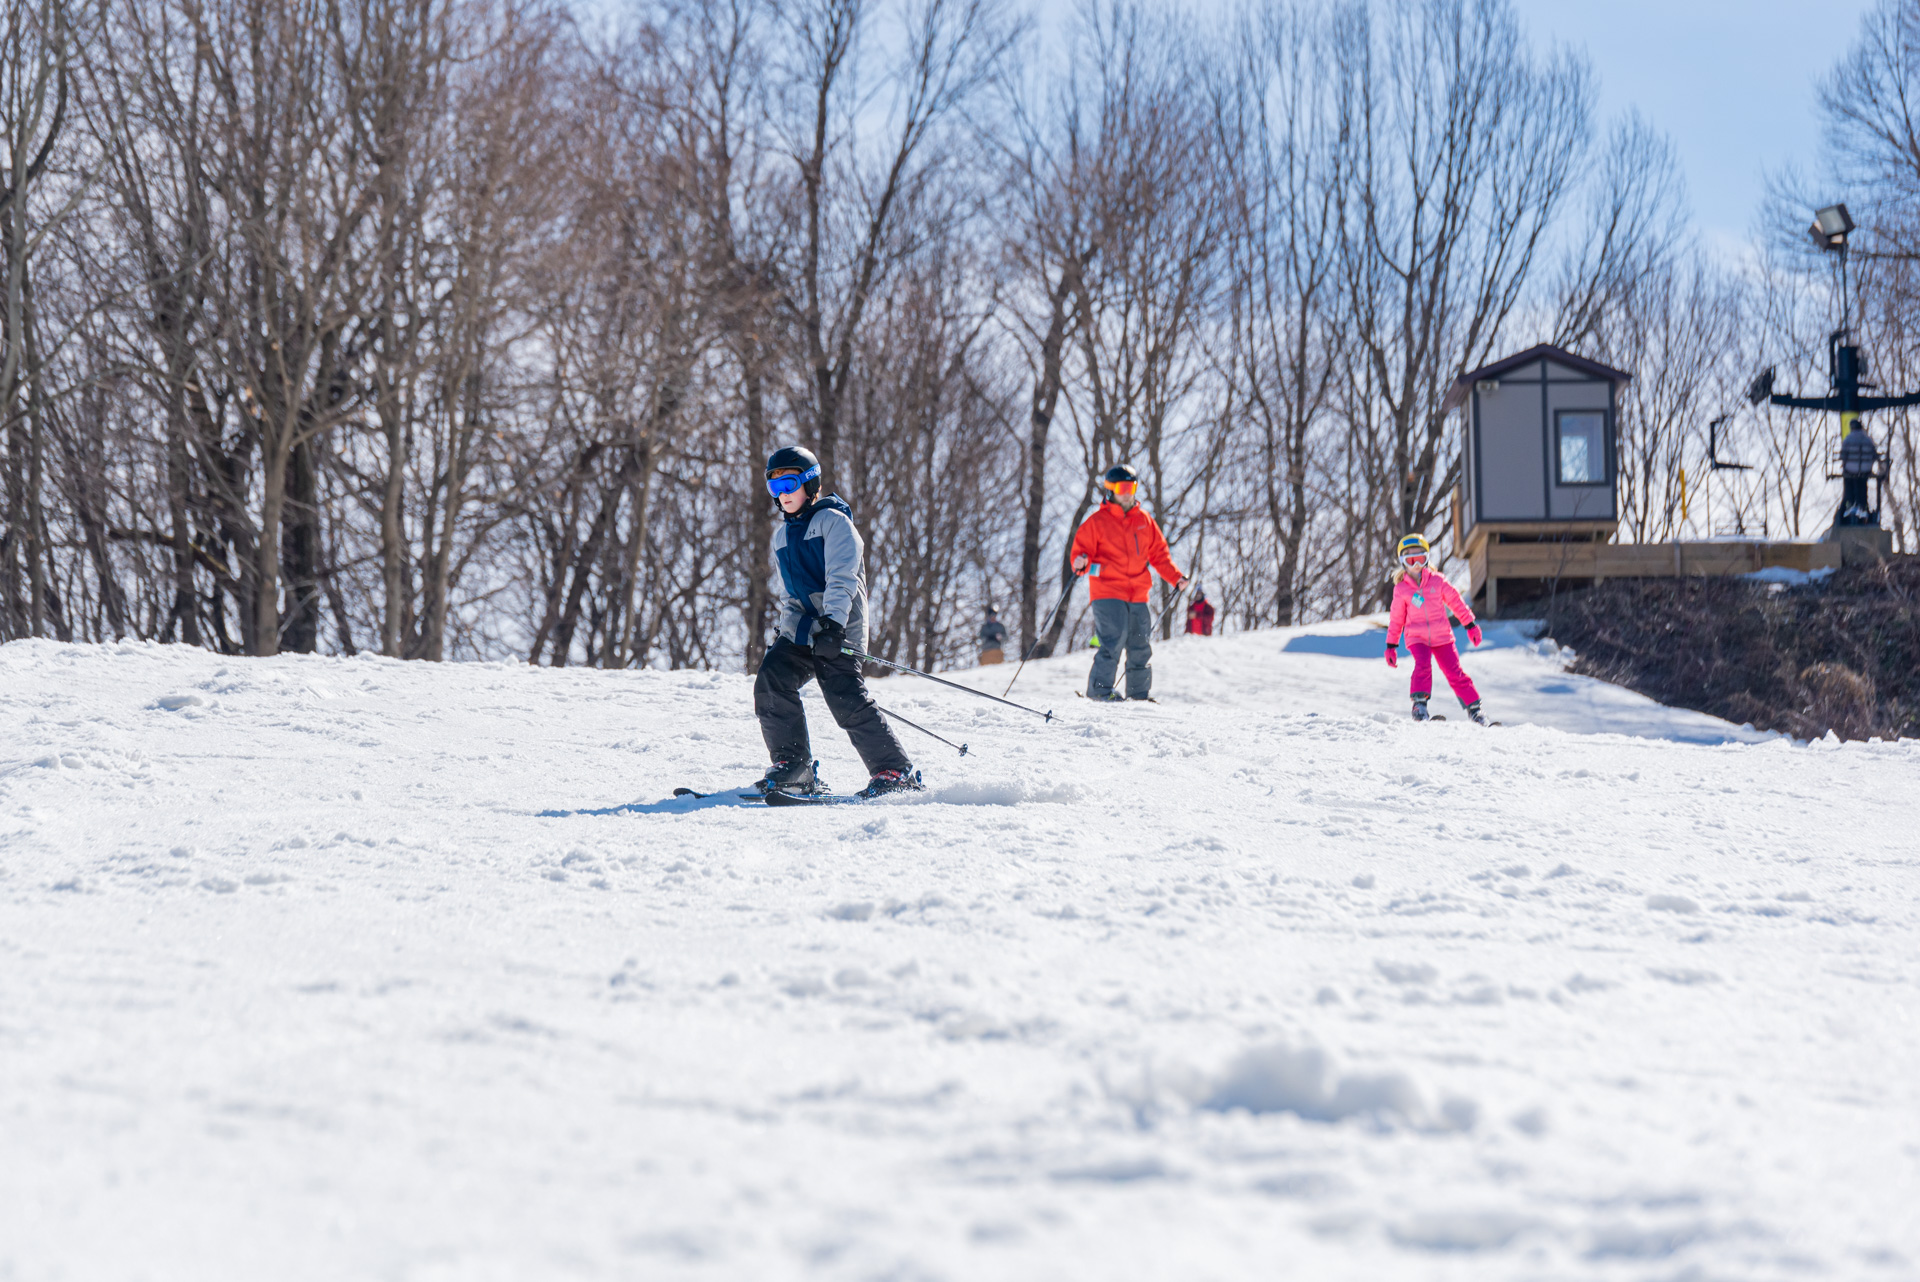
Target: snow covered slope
(326, 969)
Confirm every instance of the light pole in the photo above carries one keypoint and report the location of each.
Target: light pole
(1860, 460)
(1830, 229)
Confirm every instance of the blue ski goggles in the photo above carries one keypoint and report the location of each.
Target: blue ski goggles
(778, 485)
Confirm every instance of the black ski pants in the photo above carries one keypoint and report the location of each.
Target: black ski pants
(783, 721)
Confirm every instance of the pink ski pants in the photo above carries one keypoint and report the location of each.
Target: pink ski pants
(1448, 657)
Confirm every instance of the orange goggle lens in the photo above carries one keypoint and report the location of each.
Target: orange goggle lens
(1123, 489)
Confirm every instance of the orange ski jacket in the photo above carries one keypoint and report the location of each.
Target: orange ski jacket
(1121, 545)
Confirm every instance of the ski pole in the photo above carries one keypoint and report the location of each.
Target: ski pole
(1036, 640)
(922, 729)
(1170, 600)
(852, 653)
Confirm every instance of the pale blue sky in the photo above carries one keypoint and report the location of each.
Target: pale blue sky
(1734, 85)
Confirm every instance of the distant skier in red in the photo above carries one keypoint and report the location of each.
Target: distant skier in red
(1200, 615)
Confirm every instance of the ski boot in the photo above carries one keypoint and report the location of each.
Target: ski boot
(1420, 712)
(795, 777)
(1474, 715)
(893, 781)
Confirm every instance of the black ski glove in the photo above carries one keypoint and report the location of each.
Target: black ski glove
(828, 637)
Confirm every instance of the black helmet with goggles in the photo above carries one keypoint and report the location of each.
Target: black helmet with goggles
(802, 470)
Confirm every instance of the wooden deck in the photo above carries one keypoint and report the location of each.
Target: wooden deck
(1497, 553)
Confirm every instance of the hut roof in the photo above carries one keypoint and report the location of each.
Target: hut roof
(1457, 394)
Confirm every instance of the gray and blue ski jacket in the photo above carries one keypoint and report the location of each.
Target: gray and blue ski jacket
(820, 555)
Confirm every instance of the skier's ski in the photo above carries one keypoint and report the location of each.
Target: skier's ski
(1081, 694)
(825, 798)
(702, 796)
(814, 798)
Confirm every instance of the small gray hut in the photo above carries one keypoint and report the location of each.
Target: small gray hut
(1540, 440)
(1540, 450)
(1537, 507)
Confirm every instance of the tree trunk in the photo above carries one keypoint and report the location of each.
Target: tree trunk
(395, 580)
(36, 475)
(755, 547)
(300, 553)
(1080, 511)
(437, 590)
(583, 567)
(185, 612)
(266, 556)
(1046, 399)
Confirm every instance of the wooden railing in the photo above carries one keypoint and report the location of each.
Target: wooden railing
(1492, 560)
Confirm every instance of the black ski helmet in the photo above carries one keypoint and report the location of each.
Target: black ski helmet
(1121, 472)
(799, 459)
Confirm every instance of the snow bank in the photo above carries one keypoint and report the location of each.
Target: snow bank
(323, 969)
(1001, 792)
(1282, 1079)
(1782, 574)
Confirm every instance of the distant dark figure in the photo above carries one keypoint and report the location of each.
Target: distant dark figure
(993, 638)
(1200, 615)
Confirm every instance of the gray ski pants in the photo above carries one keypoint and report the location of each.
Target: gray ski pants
(1122, 625)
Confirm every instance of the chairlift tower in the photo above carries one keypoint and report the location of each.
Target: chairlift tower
(1860, 462)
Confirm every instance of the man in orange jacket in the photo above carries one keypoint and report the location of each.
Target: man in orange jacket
(1114, 548)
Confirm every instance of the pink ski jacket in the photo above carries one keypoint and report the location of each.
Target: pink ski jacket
(1420, 605)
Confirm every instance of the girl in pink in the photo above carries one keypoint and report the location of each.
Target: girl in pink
(1421, 598)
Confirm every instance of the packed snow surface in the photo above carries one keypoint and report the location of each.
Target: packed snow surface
(337, 969)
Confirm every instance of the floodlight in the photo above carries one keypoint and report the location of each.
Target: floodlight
(1830, 227)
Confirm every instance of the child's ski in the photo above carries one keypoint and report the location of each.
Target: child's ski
(824, 798)
(814, 798)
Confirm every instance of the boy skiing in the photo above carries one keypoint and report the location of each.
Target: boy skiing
(823, 611)
(1421, 598)
(1114, 548)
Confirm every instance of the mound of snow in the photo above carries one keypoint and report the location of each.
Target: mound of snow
(360, 968)
(1004, 792)
(1278, 1078)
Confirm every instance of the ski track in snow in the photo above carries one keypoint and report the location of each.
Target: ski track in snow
(324, 968)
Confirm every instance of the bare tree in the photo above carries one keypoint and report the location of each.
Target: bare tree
(1274, 115)
(1053, 179)
(37, 55)
(1143, 302)
(849, 200)
(1678, 327)
(1460, 149)
(456, 328)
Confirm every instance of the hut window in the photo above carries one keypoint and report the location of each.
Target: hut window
(1582, 440)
